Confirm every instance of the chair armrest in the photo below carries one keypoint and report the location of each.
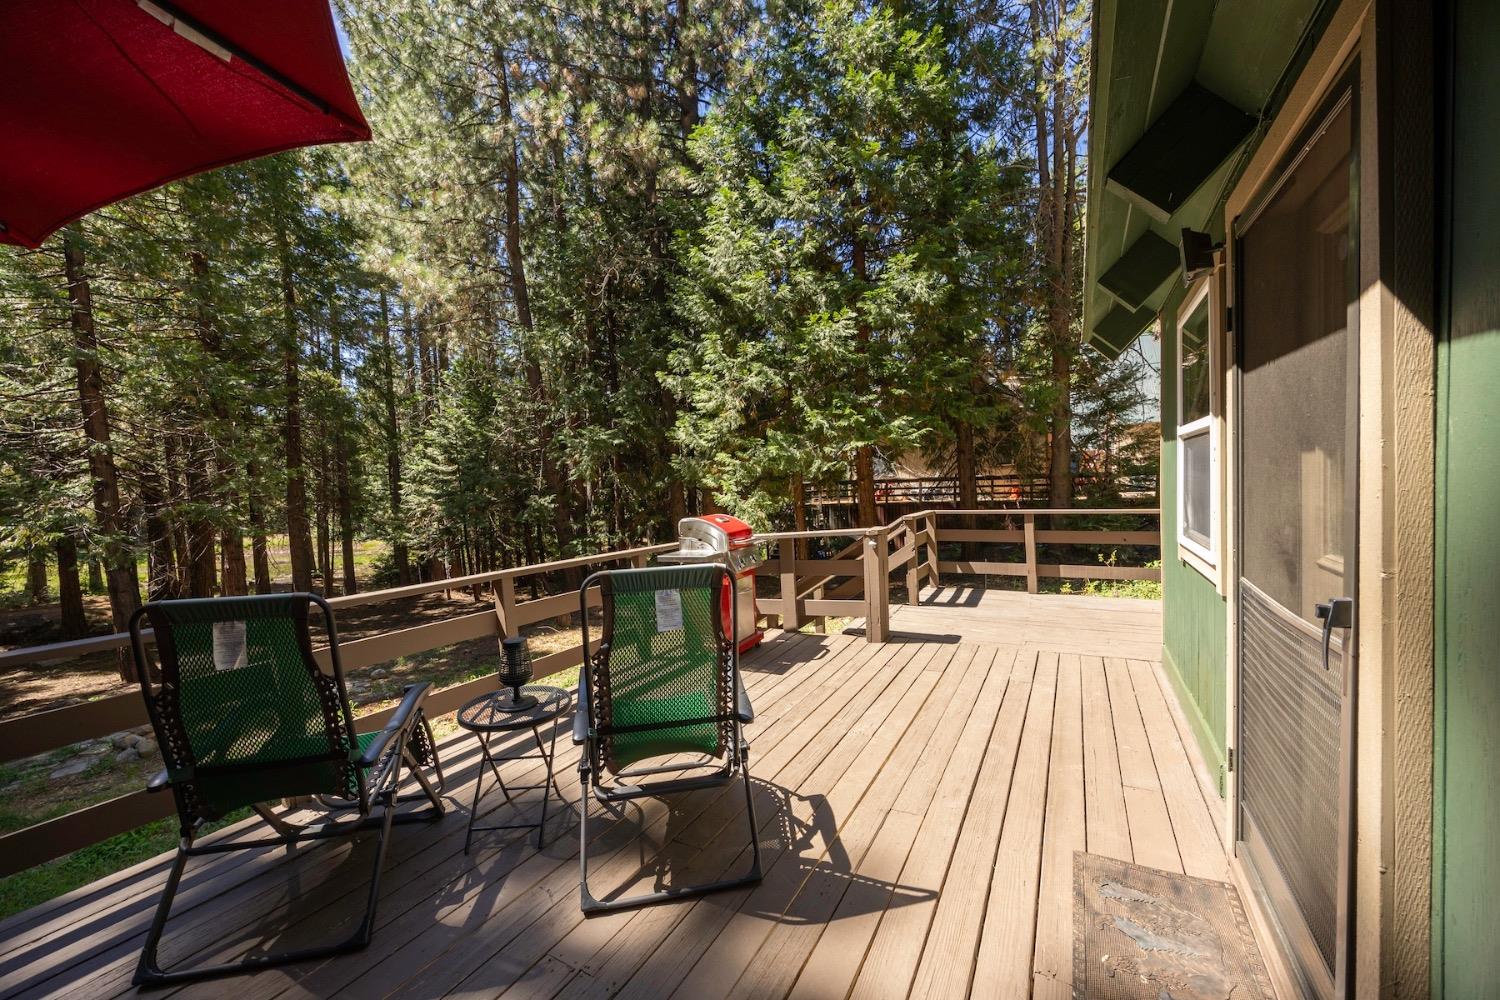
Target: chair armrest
(409, 711)
(581, 713)
(159, 782)
(743, 709)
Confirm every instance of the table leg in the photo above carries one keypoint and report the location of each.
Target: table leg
(549, 783)
(484, 743)
(478, 784)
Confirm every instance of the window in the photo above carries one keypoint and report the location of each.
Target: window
(1197, 431)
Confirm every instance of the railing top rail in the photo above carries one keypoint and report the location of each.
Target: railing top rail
(1071, 511)
(478, 579)
(99, 643)
(777, 536)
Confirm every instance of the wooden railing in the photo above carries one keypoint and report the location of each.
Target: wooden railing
(854, 582)
(39, 732)
(909, 545)
(997, 489)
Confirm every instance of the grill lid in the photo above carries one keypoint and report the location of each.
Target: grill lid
(712, 538)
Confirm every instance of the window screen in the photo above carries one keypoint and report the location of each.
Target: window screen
(1197, 484)
(1197, 370)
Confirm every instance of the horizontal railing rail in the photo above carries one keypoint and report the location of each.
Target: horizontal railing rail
(998, 488)
(853, 582)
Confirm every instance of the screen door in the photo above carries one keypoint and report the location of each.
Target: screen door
(1297, 449)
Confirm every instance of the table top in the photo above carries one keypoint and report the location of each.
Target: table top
(487, 713)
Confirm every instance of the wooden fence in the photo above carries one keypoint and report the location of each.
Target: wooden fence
(1003, 488)
(853, 582)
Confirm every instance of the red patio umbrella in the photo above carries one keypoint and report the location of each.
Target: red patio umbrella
(103, 99)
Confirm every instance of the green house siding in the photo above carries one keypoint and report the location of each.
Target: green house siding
(1193, 613)
(1466, 821)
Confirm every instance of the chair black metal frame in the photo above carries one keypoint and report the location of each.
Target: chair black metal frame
(362, 773)
(593, 727)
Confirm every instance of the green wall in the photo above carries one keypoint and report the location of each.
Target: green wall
(1466, 821)
(1193, 622)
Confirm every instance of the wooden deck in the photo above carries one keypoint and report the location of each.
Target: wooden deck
(919, 805)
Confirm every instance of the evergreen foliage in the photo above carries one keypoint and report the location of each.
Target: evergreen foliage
(604, 264)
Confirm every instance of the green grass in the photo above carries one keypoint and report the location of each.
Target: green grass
(24, 890)
(1149, 589)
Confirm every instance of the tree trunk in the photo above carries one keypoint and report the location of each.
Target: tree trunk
(37, 586)
(232, 582)
(231, 566)
(299, 539)
(1054, 215)
(259, 551)
(70, 594)
(161, 566)
(393, 448)
(96, 577)
(320, 520)
(343, 494)
(864, 456)
(968, 472)
(172, 490)
(799, 512)
(864, 482)
(119, 557)
(1060, 445)
(200, 530)
(520, 292)
(346, 530)
(968, 478)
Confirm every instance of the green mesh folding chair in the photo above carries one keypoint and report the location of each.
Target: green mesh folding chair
(245, 715)
(663, 679)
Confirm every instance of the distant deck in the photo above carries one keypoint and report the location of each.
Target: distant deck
(919, 805)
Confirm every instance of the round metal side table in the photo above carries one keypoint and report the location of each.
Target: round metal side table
(486, 716)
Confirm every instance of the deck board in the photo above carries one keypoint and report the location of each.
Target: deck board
(1063, 833)
(918, 804)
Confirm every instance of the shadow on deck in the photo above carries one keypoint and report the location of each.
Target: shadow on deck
(919, 802)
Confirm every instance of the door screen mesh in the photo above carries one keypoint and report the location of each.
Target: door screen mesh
(1296, 461)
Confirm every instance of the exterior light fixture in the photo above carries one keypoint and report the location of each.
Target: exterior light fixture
(1197, 253)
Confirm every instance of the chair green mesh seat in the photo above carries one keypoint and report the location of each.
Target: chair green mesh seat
(247, 713)
(662, 680)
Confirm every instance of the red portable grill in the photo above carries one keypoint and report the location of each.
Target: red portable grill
(720, 538)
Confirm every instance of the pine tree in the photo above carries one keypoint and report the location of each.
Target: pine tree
(838, 291)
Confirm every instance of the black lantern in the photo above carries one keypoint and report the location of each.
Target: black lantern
(515, 670)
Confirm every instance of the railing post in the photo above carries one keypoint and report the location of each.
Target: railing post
(877, 560)
(913, 571)
(932, 550)
(786, 556)
(1029, 526)
(505, 606)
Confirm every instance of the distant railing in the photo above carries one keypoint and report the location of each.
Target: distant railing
(997, 489)
(854, 582)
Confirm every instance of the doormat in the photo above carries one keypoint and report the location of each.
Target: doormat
(1144, 934)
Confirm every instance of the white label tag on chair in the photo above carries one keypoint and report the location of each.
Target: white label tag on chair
(668, 610)
(229, 645)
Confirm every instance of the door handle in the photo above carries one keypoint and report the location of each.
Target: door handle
(1337, 613)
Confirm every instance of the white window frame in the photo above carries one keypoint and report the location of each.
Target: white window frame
(1203, 558)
